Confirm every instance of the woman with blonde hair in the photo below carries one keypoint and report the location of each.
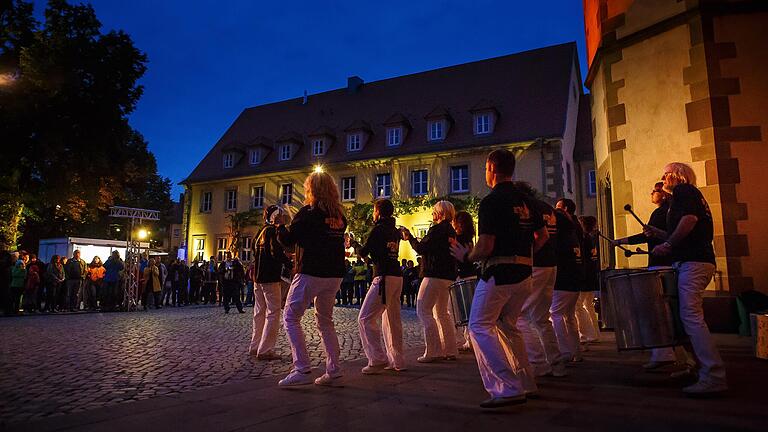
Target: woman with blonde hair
(317, 234)
(438, 272)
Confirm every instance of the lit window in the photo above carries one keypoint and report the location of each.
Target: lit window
(229, 160)
(231, 201)
(246, 251)
(383, 186)
(200, 249)
(318, 147)
(221, 248)
(394, 136)
(255, 156)
(353, 142)
(460, 179)
(418, 182)
(348, 192)
(591, 183)
(436, 131)
(257, 197)
(286, 193)
(482, 124)
(206, 200)
(285, 152)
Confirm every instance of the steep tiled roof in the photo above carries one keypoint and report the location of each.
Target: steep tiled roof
(528, 90)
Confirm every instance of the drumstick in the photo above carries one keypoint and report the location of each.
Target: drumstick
(618, 246)
(628, 208)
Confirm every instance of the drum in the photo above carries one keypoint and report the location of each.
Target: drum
(462, 293)
(647, 309)
(605, 311)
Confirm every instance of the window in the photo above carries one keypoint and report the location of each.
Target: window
(394, 136)
(255, 156)
(206, 200)
(418, 182)
(460, 179)
(285, 152)
(591, 183)
(286, 193)
(318, 147)
(353, 142)
(383, 186)
(348, 192)
(436, 132)
(257, 196)
(246, 251)
(229, 160)
(231, 200)
(221, 248)
(421, 230)
(482, 124)
(200, 249)
(568, 180)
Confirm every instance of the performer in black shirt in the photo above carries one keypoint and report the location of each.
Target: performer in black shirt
(586, 317)
(465, 235)
(509, 231)
(382, 302)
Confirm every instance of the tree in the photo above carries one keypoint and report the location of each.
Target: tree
(71, 153)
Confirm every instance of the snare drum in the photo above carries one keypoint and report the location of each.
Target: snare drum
(462, 293)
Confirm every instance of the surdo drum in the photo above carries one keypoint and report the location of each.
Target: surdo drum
(461, 300)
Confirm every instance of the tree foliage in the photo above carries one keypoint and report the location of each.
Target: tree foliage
(69, 152)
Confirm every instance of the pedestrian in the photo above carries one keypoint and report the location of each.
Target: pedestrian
(54, 278)
(196, 277)
(163, 277)
(96, 272)
(183, 293)
(18, 279)
(232, 275)
(269, 259)
(361, 270)
(76, 270)
(380, 313)
(317, 234)
(112, 269)
(438, 272)
(39, 268)
(31, 287)
(151, 284)
(410, 277)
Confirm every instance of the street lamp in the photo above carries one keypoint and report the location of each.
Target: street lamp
(318, 168)
(142, 234)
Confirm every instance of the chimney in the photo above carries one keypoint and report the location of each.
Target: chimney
(354, 83)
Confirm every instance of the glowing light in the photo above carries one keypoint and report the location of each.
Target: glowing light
(142, 234)
(117, 229)
(318, 169)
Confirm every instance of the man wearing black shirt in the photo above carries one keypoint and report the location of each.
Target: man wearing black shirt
(382, 303)
(688, 239)
(509, 229)
(232, 275)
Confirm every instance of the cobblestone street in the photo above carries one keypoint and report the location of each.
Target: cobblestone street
(70, 363)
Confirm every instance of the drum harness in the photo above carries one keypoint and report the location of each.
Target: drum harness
(514, 259)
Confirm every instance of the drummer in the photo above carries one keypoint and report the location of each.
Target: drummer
(381, 307)
(507, 228)
(688, 241)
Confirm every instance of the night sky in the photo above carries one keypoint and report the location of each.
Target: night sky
(208, 60)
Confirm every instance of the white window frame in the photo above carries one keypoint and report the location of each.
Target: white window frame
(357, 140)
(318, 144)
(199, 248)
(349, 188)
(483, 123)
(394, 136)
(257, 204)
(286, 152)
(423, 183)
(230, 200)
(592, 183)
(286, 193)
(459, 190)
(229, 160)
(436, 130)
(386, 183)
(206, 202)
(221, 248)
(254, 157)
(246, 250)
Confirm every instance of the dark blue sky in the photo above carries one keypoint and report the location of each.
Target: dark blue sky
(208, 60)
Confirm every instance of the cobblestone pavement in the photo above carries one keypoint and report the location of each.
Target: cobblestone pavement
(59, 364)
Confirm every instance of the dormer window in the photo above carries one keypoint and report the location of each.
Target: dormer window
(483, 123)
(436, 130)
(285, 152)
(394, 136)
(318, 147)
(229, 160)
(254, 156)
(354, 142)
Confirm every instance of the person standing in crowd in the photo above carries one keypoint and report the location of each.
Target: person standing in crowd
(569, 280)
(168, 288)
(347, 284)
(112, 269)
(586, 317)
(210, 287)
(410, 275)
(688, 240)
(151, 284)
(438, 272)
(39, 268)
(54, 277)
(18, 278)
(31, 287)
(380, 312)
(232, 275)
(509, 231)
(196, 276)
(96, 273)
(269, 259)
(76, 270)
(534, 323)
(317, 233)
(182, 295)
(360, 284)
(163, 276)
(465, 236)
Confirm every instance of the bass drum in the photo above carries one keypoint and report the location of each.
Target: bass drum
(647, 310)
(462, 293)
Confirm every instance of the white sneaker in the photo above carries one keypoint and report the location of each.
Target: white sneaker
(296, 378)
(395, 368)
(374, 369)
(705, 388)
(327, 379)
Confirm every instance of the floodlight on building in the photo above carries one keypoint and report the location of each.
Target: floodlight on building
(318, 168)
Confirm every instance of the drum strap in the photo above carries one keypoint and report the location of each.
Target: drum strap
(514, 259)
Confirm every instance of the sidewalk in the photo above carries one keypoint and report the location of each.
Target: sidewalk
(606, 392)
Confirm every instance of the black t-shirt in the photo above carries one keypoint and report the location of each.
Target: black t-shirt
(658, 220)
(318, 241)
(383, 245)
(547, 255)
(697, 245)
(508, 216)
(570, 266)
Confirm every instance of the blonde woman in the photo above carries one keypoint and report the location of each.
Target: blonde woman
(438, 271)
(317, 233)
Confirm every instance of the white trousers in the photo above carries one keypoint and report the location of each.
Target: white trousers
(534, 323)
(377, 318)
(266, 317)
(432, 309)
(322, 291)
(563, 312)
(586, 317)
(692, 280)
(498, 345)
